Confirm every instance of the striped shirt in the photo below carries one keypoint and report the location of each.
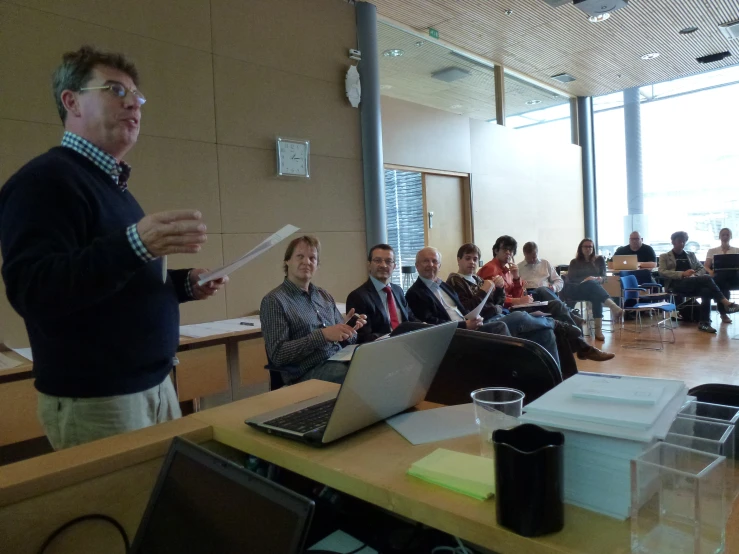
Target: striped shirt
(292, 320)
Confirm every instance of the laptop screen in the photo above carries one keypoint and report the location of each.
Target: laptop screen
(204, 503)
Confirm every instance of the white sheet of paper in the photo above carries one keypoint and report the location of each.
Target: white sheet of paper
(8, 363)
(25, 352)
(345, 354)
(435, 425)
(474, 313)
(258, 250)
(211, 328)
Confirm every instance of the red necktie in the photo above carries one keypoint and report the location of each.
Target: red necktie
(393, 312)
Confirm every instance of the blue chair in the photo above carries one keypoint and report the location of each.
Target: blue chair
(632, 302)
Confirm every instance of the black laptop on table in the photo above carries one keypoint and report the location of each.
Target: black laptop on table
(203, 503)
(384, 378)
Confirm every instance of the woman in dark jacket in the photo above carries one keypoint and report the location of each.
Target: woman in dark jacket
(585, 278)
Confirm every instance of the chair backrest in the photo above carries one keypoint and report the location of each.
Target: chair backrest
(475, 360)
(628, 282)
(642, 275)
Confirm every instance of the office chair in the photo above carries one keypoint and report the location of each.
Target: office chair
(631, 304)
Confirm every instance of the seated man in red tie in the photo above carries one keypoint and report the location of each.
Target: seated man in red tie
(380, 300)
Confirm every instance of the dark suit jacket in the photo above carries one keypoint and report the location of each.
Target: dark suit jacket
(428, 307)
(365, 300)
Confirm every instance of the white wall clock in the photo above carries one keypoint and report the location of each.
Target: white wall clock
(293, 158)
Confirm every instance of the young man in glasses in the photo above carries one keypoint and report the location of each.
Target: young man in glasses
(380, 300)
(301, 324)
(83, 265)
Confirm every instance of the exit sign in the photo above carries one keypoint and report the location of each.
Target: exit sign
(433, 33)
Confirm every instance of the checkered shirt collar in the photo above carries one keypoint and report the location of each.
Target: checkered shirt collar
(120, 172)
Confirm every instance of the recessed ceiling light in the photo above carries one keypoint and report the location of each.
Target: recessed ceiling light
(393, 53)
(508, 12)
(598, 18)
(650, 56)
(688, 30)
(455, 106)
(533, 102)
(420, 43)
(563, 77)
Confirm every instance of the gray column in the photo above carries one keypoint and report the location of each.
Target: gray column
(585, 135)
(635, 220)
(374, 173)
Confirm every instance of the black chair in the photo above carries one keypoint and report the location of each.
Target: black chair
(477, 360)
(275, 374)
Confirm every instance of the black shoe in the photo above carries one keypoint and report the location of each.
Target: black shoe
(706, 327)
(732, 308)
(570, 331)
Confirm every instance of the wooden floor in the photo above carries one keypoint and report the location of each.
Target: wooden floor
(696, 357)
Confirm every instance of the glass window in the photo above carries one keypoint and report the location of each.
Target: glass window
(690, 162)
(540, 113)
(404, 204)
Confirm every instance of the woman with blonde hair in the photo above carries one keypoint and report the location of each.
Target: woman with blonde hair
(726, 280)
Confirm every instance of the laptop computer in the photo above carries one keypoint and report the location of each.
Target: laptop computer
(724, 262)
(384, 378)
(625, 262)
(203, 503)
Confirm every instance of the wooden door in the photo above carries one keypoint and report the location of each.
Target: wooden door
(447, 224)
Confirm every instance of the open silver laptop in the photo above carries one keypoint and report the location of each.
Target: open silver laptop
(384, 378)
(625, 262)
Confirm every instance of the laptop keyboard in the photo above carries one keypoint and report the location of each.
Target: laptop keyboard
(305, 420)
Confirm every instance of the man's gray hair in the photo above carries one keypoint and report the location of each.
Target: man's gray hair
(438, 254)
(76, 70)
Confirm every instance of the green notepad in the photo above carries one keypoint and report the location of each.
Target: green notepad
(465, 473)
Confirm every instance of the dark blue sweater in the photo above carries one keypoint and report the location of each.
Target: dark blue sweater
(100, 320)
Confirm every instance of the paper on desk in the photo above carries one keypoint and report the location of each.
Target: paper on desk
(345, 354)
(211, 328)
(8, 363)
(25, 352)
(258, 250)
(435, 425)
(476, 312)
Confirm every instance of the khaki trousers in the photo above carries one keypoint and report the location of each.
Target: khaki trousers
(72, 421)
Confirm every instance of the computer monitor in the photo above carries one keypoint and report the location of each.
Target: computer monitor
(203, 503)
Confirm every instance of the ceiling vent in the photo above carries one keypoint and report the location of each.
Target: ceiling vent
(563, 78)
(730, 30)
(713, 57)
(592, 7)
(450, 74)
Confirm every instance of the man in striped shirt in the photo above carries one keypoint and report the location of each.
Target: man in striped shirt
(301, 324)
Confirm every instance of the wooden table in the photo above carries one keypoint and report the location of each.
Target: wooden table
(372, 465)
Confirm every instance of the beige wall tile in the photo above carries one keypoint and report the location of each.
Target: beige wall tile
(256, 104)
(342, 268)
(254, 200)
(172, 174)
(210, 257)
(21, 141)
(177, 81)
(418, 136)
(309, 38)
(183, 22)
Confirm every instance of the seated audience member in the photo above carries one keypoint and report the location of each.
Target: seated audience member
(433, 301)
(382, 302)
(471, 290)
(725, 280)
(539, 274)
(684, 274)
(585, 278)
(644, 253)
(301, 325)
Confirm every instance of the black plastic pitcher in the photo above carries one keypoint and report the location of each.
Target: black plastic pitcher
(529, 479)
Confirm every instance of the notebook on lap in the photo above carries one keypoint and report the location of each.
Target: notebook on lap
(384, 378)
(203, 503)
(724, 262)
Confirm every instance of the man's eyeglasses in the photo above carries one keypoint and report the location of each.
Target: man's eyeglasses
(120, 91)
(378, 261)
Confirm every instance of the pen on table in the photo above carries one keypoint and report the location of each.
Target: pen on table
(250, 324)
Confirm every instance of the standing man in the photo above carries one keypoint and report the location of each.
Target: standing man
(83, 264)
(684, 274)
(539, 274)
(381, 301)
(644, 253)
(301, 324)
